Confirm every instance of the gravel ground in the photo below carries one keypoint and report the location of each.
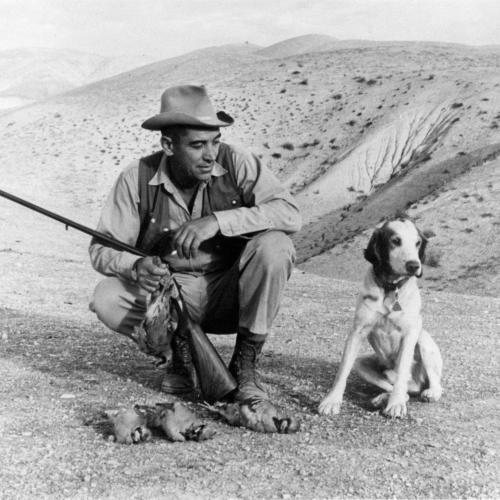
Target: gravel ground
(60, 369)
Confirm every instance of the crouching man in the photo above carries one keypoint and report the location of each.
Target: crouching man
(227, 218)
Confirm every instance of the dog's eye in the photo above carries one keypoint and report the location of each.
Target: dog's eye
(419, 242)
(396, 241)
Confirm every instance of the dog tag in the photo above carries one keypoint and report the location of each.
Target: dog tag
(396, 306)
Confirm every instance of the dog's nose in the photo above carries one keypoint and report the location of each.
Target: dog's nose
(412, 266)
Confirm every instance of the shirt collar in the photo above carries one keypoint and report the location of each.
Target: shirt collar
(161, 175)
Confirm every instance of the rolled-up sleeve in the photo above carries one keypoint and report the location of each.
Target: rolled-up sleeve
(119, 219)
(268, 204)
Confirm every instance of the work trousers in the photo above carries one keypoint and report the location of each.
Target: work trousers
(246, 296)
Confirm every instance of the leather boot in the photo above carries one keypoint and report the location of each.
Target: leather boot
(177, 378)
(243, 368)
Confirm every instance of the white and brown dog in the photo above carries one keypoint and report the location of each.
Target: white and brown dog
(406, 359)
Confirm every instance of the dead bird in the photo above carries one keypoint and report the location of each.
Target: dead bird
(256, 414)
(177, 421)
(129, 425)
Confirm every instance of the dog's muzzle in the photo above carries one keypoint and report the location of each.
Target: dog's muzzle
(414, 268)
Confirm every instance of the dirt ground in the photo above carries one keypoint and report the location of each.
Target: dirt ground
(60, 369)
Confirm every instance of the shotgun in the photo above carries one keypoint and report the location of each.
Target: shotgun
(214, 379)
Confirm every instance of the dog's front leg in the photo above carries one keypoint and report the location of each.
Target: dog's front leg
(332, 402)
(396, 405)
(433, 366)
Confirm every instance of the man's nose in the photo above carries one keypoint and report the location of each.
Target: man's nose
(209, 153)
(412, 266)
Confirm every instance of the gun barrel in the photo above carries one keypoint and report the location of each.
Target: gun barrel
(71, 223)
(217, 382)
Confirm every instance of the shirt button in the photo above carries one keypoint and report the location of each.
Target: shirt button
(233, 202)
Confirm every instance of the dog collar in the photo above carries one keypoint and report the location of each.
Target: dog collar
(388, 285)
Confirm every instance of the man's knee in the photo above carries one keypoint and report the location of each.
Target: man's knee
(273, 250)
(104, 298)
(117, 305)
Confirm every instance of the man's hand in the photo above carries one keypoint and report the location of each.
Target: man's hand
(189, 237)
(149, 271)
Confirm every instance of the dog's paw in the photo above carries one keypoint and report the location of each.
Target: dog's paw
(396, 407)
(329, 406)
(432, 394)
(381, 400)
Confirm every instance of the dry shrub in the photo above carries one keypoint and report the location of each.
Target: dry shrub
(433, 257)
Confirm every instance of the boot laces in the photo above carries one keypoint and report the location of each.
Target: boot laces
(247, 371)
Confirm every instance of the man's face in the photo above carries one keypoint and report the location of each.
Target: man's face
(193, 154)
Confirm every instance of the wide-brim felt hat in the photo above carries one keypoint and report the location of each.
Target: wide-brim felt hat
(187, 105)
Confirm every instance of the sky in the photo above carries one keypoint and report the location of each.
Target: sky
(165, 28)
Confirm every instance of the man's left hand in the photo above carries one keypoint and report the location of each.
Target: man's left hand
(189, 237)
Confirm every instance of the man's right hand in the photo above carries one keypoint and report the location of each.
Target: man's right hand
(149, 271)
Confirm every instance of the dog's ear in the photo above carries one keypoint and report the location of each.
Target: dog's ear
(427, 234)
(372, 252)
(423, 245)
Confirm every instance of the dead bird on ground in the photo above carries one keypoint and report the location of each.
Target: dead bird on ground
(256, 414)
(177, 421)
(129, 425)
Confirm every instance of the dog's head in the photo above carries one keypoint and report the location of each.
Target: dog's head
(397, 248)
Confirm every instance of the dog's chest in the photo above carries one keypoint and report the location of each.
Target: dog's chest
(386, 334)
(387, 326)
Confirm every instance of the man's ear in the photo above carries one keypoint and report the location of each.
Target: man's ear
(372, 251)
(167, 145)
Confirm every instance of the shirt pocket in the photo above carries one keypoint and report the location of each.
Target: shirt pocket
(222, 196)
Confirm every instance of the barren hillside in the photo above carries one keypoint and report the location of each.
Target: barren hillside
(337, 126)
(299, 45)
(460, 213)
(29, 75)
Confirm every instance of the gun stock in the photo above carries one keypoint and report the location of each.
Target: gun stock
(214, 378)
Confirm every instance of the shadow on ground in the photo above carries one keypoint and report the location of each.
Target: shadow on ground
(70, 350)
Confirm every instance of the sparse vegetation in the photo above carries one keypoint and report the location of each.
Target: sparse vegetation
(315, 142)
